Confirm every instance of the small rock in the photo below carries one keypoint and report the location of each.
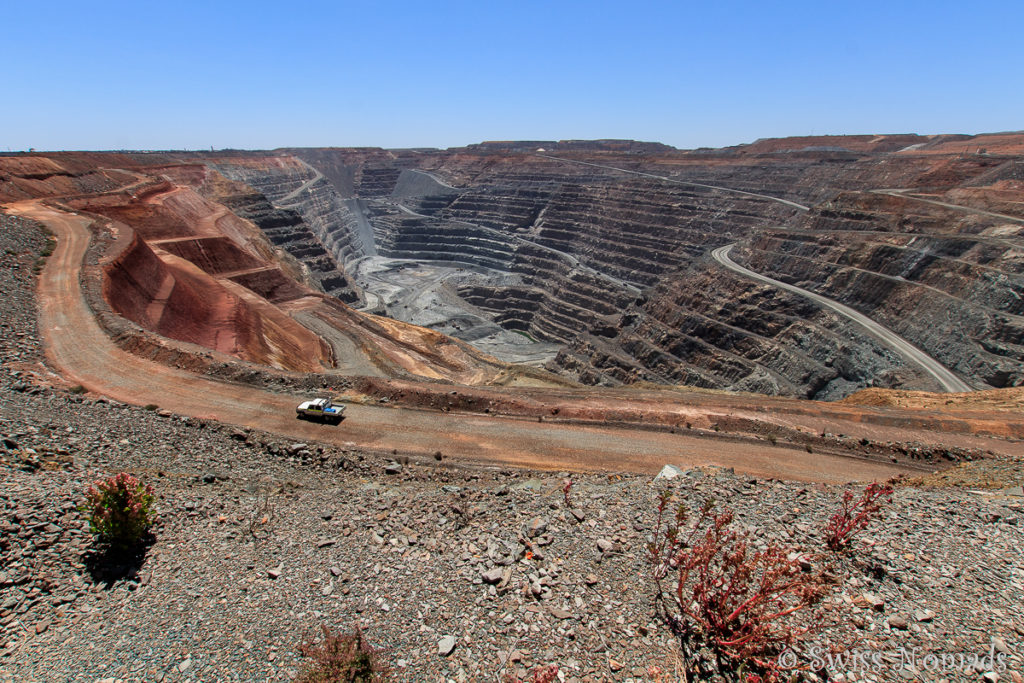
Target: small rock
(898, 622)
(275, 573)
(668, 472)
(537, 527)
(604, 545)
(392, 468)
(185, 666)
(924, 615)
(42, 626)
(590, 580)
(868, 600)
(990, 677)
(999, 645)
(446, 646)
(492, 576)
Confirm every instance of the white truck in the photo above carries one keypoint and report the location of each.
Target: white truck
(320, 409)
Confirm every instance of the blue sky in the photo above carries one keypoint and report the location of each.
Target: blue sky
(185, 75)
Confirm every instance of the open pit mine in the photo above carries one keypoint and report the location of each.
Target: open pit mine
(615, 282)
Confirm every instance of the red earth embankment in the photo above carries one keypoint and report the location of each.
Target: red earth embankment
(174, 298)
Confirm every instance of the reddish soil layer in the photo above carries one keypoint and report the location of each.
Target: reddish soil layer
(190, 270)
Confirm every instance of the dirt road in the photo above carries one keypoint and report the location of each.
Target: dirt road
(78, 348)
(911, 353)
(903, 194)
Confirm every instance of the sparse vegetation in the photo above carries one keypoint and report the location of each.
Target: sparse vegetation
(261, 519)
(120, 510)
(342, 658)
(542, 674)
(723, 595)
(48, 248)
(854, 515)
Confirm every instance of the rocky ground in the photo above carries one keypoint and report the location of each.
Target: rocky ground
(460, 574)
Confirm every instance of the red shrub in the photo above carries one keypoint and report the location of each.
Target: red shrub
(347, 658)
(854, 515)
(542, 674)
(736, 598)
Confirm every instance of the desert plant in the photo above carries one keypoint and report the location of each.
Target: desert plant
(261, 521)
(542, 674)
(854, 514)
(342, 658)
(48, 247)
(735, 600)
(120, 509)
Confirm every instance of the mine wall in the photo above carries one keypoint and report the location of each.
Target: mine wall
(288, 229)
(615, 267)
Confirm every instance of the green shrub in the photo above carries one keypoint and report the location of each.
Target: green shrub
(120, 509)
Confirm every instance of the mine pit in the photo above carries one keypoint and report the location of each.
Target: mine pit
(426, 294)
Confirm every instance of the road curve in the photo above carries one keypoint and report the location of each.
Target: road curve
(911, 353)
(286, 201)
(82, 352)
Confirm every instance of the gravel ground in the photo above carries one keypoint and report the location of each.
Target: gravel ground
(262, 540)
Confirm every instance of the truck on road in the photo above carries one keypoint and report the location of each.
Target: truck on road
(320, 409)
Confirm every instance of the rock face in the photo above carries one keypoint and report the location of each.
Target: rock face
(604, 252)
(593, 258)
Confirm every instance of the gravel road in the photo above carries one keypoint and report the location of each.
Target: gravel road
(911, 353)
